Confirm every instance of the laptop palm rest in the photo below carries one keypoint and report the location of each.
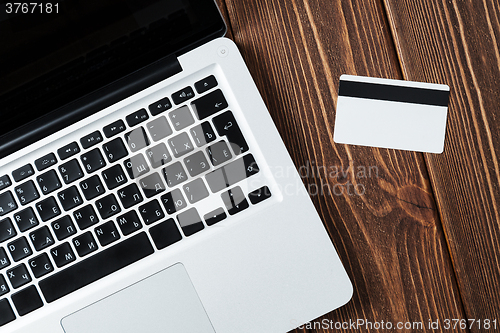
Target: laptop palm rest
(163, 302)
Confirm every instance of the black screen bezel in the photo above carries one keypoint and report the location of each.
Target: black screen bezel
(56, 118)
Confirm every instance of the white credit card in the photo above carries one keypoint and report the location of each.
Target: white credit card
(391, 114)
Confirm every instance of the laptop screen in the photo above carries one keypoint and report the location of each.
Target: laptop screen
(54, 52)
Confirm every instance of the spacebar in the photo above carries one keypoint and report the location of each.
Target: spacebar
(96, 267)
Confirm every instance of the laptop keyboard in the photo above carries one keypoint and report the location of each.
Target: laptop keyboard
(119, 194)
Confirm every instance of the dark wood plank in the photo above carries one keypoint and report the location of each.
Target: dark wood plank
(457, 43)
(389, 235)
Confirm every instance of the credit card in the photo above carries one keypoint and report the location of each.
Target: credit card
(391, 114)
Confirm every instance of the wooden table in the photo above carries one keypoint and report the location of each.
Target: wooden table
(422, 242)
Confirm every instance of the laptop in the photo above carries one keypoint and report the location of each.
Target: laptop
(143, 184)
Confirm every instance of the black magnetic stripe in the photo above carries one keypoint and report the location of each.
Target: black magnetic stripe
(393, 93)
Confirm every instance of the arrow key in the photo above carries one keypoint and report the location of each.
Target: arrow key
(234, 200)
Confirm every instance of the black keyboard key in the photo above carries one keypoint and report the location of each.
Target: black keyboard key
(159, 129)
(18, 276)
(114, 177)
(190, 222)
(137, 117)
(215, 216)
(27, 300)
(129, 222)
(130, 195)
(4, 260)
(63, 228)
(49, 182)
(70, 198)
(48, 209)
(95, 267)
(68, 151)
(181, 118)
(5, 182)
(6, 313)
(114, 128)
(235, 200)
(196, 164)
(152, 185)
(26, 192)
(232, 173)
(205, 84)
(173, 201)
(160, 106)
(174, 174)
(7, 203)
(107, 206)
(41, 238)
(225, 124)
(183, 95)
(107, 233)
(180, 144)
(85, 244)
(4, 288)
(165, 234)
(115, 150)
(137, 139)
(45, 162)
(85, 217)
(23, 172)
(91, 140)
(19, 249)
(136, 166)
(195, 190)
(92, 187)
(202, 134)
(209, 104)
(259, 195)
(158, 155)
(150, 212)
(93, 160)
(219, 153)
(70, 171)
(63, 255)
(26, 219)
(40, 265)
(7, 230)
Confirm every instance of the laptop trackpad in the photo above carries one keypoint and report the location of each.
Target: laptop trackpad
(163, 302)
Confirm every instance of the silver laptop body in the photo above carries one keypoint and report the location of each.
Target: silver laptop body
(237, 247)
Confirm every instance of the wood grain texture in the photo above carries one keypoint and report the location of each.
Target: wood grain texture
(457, 43)
(389, 235)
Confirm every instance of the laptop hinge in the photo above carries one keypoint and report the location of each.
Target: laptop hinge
(89, 104)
